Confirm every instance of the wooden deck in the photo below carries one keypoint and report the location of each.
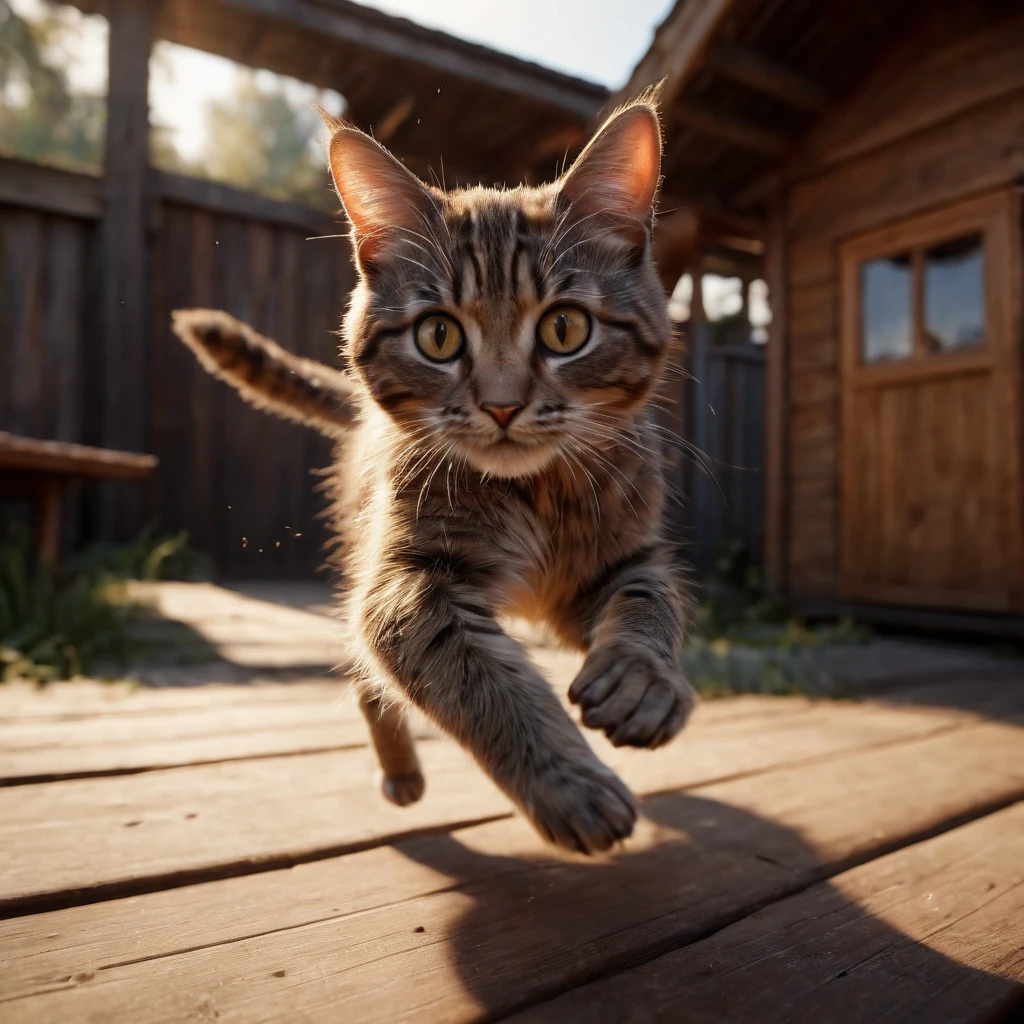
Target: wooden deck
(220, 853)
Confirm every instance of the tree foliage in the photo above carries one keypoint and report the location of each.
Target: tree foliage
(263, 141)
(41, 118)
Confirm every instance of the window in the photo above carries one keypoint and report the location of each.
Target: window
(954, 294)
(923, 301)
(886, 316)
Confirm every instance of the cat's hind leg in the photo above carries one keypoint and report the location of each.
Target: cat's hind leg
(403, 781)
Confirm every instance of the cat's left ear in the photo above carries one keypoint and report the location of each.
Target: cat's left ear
(619, 170)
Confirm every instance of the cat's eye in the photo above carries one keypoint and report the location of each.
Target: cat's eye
(439, 337)
(564, 330)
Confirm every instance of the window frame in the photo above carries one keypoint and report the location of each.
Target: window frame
(981, 216)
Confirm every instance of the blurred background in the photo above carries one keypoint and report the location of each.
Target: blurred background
(842, 183)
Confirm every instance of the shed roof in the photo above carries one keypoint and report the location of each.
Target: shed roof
(744, 80)
(421, 91)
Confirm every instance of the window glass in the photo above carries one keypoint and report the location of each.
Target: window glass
(954, 294)
(886, 324)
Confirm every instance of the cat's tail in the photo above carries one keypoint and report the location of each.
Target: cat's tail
(268, 377)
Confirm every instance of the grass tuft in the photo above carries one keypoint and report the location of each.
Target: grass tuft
(61, 625)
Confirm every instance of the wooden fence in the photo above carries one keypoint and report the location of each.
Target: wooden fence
(237, 480)
(723, 477)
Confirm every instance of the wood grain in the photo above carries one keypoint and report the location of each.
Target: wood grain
(29, 453)
(248, 812)
(930, 510)
(123, 285)
(932, 932)
(955, 60)
(708, 859)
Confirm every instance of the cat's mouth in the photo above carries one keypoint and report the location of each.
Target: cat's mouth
(509, 457)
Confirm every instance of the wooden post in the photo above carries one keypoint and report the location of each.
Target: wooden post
(123, 258)
(675, 242)
(704, 487)
(776, 401)
(50, 501)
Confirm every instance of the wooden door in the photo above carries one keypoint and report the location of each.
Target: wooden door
(931, 502)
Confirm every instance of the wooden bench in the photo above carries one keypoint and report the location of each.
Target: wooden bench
(41, 471)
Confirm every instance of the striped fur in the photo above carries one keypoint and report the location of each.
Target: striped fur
(267, 376)
(451, 522)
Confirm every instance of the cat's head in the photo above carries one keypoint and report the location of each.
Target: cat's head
(504, 327)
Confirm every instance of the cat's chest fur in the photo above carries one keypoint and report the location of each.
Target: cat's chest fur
(585, 523)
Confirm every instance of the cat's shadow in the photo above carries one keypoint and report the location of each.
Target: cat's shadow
(536, 928)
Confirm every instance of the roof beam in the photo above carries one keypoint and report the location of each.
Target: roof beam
(753, 70)
(352, 26)
(756, 191)
(396, 37)
(729, 129)
(678, 48)
(714, 217)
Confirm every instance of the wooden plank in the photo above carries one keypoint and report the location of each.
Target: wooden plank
(24, 276)
(213, 197)
(776, 400)
(744, 134)
(812, 309)
(42, 750)
(163, 734)
(811, 387)
(41, 188)
(209, 511)
(123, 251)
(29, 453)
(752, 69)
(958, 59)
(978, 150)
(811, 261)
(62, 327)
(932, 932)
(136, 833)
(814, 351)
(424, 946)
(678, 49)
(248, 813)
(701, 489)
(356, 29)
(78, 699)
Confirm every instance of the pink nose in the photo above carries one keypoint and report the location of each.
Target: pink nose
(502, 413)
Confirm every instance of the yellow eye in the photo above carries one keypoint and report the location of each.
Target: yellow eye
(439, 337)
(564, 330)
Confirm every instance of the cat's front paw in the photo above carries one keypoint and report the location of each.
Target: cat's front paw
(638, 697)
(581, 805)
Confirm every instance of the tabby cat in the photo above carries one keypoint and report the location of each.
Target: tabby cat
(499, 459)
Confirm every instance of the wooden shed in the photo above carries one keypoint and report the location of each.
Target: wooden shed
(873, 152)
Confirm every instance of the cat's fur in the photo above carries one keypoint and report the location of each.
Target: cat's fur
(450, 516)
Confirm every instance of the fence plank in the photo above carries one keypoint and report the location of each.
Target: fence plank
(726, 421)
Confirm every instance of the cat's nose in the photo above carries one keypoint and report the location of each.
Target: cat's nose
(502, 414)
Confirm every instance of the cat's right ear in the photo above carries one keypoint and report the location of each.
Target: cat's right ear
(381, 197)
